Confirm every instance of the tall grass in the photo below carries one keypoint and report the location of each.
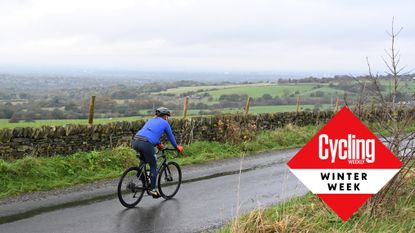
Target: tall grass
(310, 214)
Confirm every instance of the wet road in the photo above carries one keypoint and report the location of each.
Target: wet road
(199, 206)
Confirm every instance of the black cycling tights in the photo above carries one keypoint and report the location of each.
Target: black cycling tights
(146, 149)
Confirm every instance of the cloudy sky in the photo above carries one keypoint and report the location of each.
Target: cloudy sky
(205, 35)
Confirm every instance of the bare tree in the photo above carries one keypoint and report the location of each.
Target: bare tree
(392, 115)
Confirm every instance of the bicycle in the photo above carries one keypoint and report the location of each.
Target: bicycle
(138, 181)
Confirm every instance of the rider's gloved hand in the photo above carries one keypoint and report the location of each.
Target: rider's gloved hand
(160, 146)
(179, 148)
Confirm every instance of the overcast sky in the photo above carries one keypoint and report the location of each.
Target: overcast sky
(206, 35)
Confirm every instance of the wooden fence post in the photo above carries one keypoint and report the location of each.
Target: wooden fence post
(91, 110)
(247, 105)
(185, 106)
(298, 104)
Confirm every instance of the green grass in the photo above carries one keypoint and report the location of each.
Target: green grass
(44, 173)
(310, 214)
(258, 91)
(276, 108)
(181, 90)
(4, 123)
(264, 109)
(328, 91)
(254, 90)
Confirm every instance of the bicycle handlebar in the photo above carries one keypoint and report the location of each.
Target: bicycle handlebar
(169, 149)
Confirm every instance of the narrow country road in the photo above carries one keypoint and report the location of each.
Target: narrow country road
(205, 202)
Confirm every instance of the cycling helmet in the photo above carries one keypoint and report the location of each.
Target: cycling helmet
(162, 111)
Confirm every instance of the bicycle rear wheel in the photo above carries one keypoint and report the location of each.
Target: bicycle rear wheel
(169, 180)
(131, 187)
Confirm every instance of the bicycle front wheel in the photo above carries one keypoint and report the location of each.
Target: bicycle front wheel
(131, 187)
(169, 180)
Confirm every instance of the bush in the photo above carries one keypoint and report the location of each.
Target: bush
(14, 119)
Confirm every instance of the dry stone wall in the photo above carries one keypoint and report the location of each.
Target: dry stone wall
(64, 140)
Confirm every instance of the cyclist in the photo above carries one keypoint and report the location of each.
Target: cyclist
(148, 137)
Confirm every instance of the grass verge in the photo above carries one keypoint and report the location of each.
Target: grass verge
(310, 214)
(44, 173)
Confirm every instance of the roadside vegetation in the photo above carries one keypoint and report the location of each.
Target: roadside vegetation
(44, 173)
(310, 214)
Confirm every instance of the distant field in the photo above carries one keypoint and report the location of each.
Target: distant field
(253, 90)
(261, 109)
(258, 91)
(327, 91)
(278, 108)
(4, 123)
(180, 90)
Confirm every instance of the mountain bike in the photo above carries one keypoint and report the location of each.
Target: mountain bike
(136, 180)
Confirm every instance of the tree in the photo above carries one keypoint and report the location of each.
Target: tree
(72, 107)
(393, 115)
(57, 114)
(14, 119)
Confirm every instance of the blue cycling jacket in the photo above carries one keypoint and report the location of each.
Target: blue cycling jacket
(154, 128)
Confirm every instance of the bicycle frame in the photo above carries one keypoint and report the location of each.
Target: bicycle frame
(163, 156)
